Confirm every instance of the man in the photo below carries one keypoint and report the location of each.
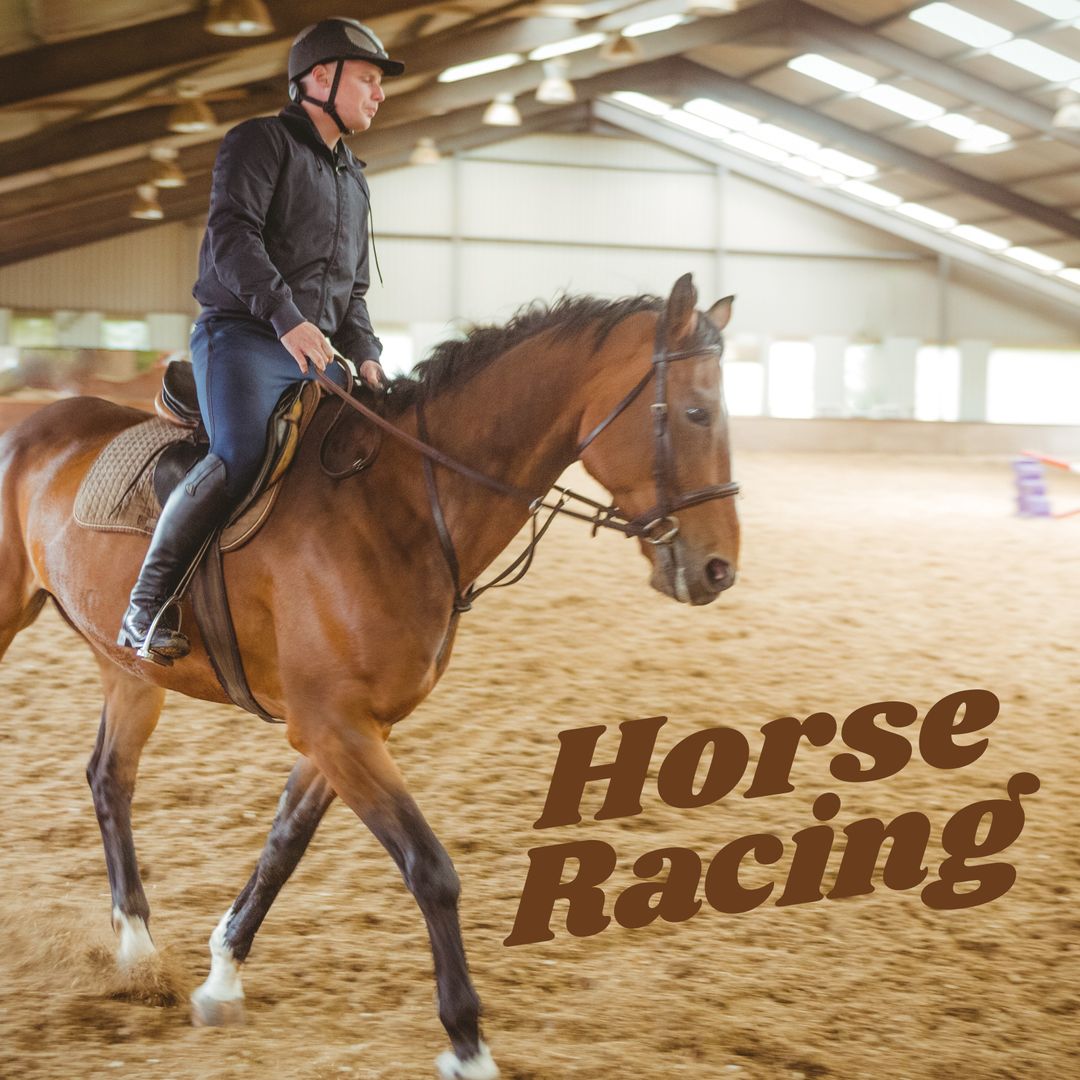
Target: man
(283, 272)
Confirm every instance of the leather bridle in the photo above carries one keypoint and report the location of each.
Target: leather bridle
(658, 525)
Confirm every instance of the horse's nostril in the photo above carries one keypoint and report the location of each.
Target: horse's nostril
(718, 574)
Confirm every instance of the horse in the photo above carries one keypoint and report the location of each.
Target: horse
(382, 557)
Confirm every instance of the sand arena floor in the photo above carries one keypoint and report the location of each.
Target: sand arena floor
(863, 579)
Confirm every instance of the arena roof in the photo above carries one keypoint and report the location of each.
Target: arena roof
(950, 124)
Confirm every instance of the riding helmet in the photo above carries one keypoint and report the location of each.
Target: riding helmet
(338, 39)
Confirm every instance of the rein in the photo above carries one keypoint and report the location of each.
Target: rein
(658, 525)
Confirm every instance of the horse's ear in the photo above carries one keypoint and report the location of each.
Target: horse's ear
(720, 313)
(679, 315)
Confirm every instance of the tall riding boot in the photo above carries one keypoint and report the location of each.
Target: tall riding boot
(196, 507)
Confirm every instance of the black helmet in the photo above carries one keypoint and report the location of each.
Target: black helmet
(338, 39)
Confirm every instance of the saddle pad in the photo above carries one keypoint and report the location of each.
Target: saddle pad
(117, 494)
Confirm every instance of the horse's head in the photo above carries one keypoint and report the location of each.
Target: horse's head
(665, 456)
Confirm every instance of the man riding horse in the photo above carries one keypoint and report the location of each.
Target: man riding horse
(283, 272)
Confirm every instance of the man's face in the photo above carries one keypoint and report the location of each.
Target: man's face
(359, 91)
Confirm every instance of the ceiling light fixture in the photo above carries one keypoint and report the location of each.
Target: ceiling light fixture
(706, 8)
(238, 18)
(1068, 110)
(829, 71)
(927, 216)
(425, 152)
(721, 114)
(146, 206)
(975, 235)
(556, 88)
(570, 45)
(480, 67)
(166, 173)
(1037, 260)
(653, 26)
(642, 102)
(621, 50)
(502, 112)
(192, 115)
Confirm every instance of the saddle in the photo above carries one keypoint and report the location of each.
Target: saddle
(134, 474)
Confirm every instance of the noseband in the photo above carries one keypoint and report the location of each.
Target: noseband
(657, 525)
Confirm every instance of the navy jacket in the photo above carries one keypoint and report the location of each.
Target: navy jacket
(287, 236)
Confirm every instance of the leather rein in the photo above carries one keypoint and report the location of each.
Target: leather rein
(657, 525)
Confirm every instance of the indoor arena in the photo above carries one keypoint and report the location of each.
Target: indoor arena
(763, 764)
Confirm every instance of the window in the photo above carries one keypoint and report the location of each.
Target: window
(1033, 386)
(33, 331)
(791, 379)
(937, 383)
(132, 335)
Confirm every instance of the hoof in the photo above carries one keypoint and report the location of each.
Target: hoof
(210, 1012)
(481, 1066)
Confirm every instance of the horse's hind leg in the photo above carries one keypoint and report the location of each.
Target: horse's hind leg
(305, 799)
(129, 717)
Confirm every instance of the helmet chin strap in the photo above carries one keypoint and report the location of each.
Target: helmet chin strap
(328, 105)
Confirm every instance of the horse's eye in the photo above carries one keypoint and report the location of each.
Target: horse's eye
(698, 416)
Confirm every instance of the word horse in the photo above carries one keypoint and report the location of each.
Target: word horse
(382, 558)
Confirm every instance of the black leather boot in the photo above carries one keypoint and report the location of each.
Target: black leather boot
(196, 507)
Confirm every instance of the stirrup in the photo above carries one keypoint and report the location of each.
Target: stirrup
(143, 651)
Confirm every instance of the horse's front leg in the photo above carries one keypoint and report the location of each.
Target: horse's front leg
(357, 763)
(307, 795)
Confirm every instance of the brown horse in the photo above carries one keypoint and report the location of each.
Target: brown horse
(518, 403)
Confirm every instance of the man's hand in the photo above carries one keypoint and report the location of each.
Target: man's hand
(307, 342)
(372, 373)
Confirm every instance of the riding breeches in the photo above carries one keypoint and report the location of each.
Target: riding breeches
(241, 370)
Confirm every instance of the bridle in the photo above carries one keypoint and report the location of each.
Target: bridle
(657, 526)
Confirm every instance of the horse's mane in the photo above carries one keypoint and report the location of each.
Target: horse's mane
(453, 362)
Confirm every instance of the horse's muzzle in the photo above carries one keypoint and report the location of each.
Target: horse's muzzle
(719, 574)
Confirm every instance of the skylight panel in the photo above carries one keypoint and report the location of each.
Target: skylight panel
(900, 101)
(570, 45)
(652, 26)
(969, 131)
(871, 193)
(642, 102)
(1039, 60)
(697, 124)
(721, 114)
(975, 235)
(924, 214)
(961, 25)
(955, 124)
(1036, 259)
(785, 140)
(1054, 9)
(480, 67)
(982, 137)
(1072, 275)
(748, 145)
(850, 166)
(829, 71)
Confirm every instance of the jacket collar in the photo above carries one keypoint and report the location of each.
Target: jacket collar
(300, 124)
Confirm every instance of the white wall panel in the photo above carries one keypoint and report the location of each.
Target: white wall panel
(602, 151)
(150, 270)
(499, 278)
(417, 282)
(758, 218)
(587, 206)
(417, 201)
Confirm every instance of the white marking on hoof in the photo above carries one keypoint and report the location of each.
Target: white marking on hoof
(479, 1067)
(220, 1000)
(135, 941)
